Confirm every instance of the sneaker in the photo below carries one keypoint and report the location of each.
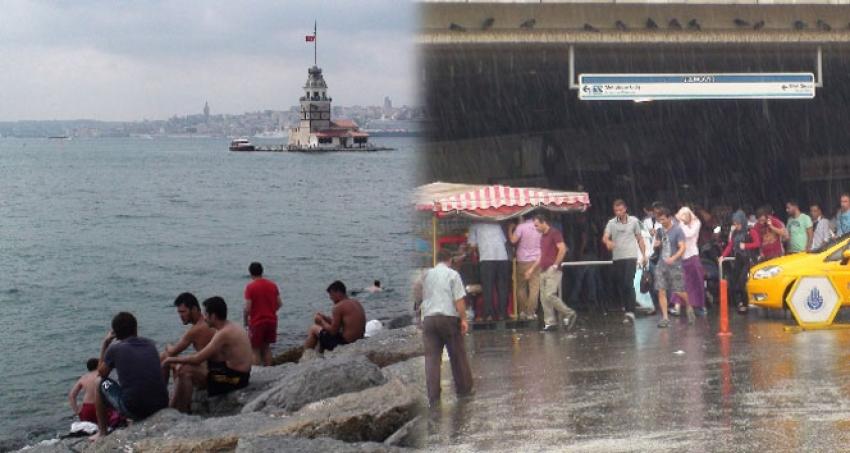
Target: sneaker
(742, 308)
(629, 318)
(549, 327)
(570, 321)
(691, 316)
(674, 311)
(663, 324)
(700, 311)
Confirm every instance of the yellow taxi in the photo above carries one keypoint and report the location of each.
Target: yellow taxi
(770, 282)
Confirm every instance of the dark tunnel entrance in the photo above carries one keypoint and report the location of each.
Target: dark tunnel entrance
(505, 114)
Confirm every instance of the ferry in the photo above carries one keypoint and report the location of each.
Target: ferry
(241, 144)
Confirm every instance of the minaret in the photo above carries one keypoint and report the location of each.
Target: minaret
(206, 112)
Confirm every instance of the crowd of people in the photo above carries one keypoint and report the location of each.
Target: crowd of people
(666, 247)
(665, 253)
(223, 356)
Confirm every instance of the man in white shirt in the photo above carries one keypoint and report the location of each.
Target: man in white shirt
(444, 325)
(489, 239)
(822, 233)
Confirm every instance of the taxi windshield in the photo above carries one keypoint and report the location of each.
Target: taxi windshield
(830, 243)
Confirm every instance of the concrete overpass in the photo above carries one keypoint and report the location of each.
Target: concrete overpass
(455, 23)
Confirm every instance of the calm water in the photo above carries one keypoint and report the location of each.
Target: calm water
(92, 227)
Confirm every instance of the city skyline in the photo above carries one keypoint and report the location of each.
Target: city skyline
(88, 60)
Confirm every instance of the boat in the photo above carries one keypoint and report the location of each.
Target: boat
(241, 144)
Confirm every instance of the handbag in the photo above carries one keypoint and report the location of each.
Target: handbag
(647, 280)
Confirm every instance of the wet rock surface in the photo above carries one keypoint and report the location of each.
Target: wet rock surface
(181, 433)
(371, 415)
(385, 348)
(412, 434)
(411, 372)
(317, 380)
(262, 444)
(290, 355)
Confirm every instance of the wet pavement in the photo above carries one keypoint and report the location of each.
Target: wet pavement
(609, 387)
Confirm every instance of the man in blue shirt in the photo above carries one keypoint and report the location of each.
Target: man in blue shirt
(669, 276)
(142, 389)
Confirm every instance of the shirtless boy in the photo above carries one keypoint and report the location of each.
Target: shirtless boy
(228, 358)
(88, 385)
(346, 324)
(198, 335)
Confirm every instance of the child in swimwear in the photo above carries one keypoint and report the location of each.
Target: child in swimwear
(88, 384)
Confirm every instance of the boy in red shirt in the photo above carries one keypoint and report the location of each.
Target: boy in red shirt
(262, 301)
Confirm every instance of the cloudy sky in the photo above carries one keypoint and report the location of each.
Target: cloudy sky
(130, 60)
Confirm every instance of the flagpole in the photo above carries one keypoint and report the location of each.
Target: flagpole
(315, 45)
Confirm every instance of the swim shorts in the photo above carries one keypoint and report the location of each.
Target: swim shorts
(328, 342)
(221, 379)
(263, 334)
(88, 413)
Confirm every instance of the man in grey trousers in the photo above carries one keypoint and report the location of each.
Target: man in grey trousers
(444, 325)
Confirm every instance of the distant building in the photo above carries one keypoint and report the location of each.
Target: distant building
(315, 127)
(206, 112)
(388, 106)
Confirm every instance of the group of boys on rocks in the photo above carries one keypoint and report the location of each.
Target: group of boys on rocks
(223, 357)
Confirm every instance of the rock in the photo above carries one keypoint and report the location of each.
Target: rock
(387, 347)
(262, 378)
(316, 380)
(410, 372)
(310, 354)
(368, 416)
(289, 355)
(262, 444)
(412, 434)
(399, 321)
(70, 445)
(186, 434)
(153, 426)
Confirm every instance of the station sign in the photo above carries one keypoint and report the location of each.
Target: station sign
(814, 301)
(657, 87)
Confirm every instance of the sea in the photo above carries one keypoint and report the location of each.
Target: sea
(91, 227)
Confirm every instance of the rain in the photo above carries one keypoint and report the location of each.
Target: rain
(501, 95)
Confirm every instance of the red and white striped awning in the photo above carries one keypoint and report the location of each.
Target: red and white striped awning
(496, 202)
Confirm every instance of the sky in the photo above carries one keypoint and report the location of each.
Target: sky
(152, 59)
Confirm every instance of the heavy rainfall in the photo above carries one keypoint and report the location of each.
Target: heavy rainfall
(502, 87)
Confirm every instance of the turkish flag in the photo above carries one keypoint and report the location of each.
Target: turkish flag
(310, 38)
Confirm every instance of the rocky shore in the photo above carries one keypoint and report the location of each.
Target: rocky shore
(367, 396)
